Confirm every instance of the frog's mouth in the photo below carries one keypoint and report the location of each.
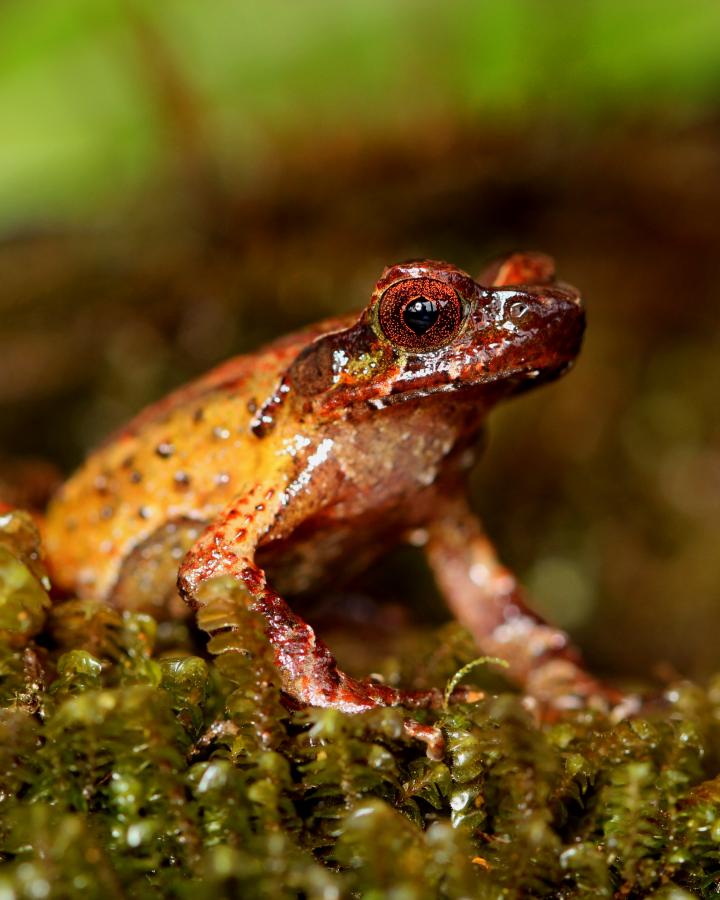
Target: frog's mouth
(526, 379)
(490, 388)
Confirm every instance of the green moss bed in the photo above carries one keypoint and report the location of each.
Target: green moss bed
(133, 767)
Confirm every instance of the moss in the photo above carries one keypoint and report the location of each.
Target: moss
(130, 767)
(23, 582)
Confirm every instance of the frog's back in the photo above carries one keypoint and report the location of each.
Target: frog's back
(168, 472)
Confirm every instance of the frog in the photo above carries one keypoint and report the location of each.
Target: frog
(311, 458)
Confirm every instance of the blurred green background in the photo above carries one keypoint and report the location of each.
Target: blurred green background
(181, 181)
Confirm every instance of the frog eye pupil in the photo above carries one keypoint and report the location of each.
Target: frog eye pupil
(421, 314)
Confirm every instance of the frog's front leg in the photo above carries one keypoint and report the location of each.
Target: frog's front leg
(308, 669)
(486, 597)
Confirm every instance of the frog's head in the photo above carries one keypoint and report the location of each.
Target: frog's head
(430, 327)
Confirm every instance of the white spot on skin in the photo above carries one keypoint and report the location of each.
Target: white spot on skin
(316, 459)
(340, 360)
(418, 537)
(479, 574)
(427, 477)
(292, 446)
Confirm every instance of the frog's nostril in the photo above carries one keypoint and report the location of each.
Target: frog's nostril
(518, 311)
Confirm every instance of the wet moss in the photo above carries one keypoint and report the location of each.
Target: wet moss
(128, 767)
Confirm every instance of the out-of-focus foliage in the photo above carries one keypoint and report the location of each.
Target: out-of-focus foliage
(128, 771)
(23, 582)
(91, 104)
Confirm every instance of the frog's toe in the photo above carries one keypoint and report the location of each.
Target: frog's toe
(629, 706)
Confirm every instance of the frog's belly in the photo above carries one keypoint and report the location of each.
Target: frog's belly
(147, 580)
(325, 549)
(297, 564)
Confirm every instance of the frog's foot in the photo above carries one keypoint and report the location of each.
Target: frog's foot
(309, 673)
(559, 686)
(331, 687)
(486, 597)
(430, 735)
(432, 698)
(312, 676)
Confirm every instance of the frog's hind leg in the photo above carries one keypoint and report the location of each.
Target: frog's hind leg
(308, 669)
(147, 581)
(486, 597)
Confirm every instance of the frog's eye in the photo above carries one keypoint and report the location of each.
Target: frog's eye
(420, 314)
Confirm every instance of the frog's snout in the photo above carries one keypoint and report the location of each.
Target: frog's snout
(552, 335)
(535, 332)
(537, 311)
